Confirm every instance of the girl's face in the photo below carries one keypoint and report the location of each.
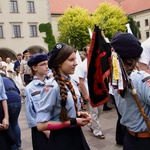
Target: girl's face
(41, 68)
(68, 66)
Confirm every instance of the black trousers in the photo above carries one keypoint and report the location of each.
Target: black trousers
(27, 79)
(39, 139)
(68, 139)
(135, 143)
(120, 129)
(6, 136)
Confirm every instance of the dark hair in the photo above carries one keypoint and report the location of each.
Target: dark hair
(130, 65)
(61, 56)
(85, 47)
(2, 74)
(19, 54)
(116, 33)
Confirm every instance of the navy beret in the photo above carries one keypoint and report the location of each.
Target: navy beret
(127, 45)
(25, 51)
(37, 58)
(55, 50)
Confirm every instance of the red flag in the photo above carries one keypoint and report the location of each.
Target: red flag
(98, 69)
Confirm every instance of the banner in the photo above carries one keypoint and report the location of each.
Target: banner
(98, 68)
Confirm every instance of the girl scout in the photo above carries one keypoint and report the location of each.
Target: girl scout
(59, 105)
(137, 136)
(33, 91)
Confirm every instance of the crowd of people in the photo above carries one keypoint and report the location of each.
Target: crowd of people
(55, 88)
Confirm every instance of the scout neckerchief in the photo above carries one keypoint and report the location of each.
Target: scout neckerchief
(70, 87)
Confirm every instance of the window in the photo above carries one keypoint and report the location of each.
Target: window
(139, 36)
(17, 31)
(1, 31)
(138, 24)
(33, 30)
(147, 34)
(146, 22)
(30, 5)
(13, 6)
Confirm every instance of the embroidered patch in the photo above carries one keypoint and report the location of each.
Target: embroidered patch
(47, 87)
(36, 93)
(148, 83)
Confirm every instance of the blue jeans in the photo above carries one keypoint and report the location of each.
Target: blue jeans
(14, 111)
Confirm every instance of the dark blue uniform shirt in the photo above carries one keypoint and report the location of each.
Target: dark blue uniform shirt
(12, 92)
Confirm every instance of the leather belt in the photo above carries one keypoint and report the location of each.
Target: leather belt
(10, 89)
(140, 134)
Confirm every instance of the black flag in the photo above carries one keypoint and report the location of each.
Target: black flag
(98, 68)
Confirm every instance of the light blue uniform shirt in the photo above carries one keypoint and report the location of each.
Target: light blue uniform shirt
(33, 92)
(50, 105)
(2, 90)
(131, 115)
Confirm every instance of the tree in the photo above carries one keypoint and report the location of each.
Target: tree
(49, 39)
(134, 27)
(110, 18)
(73, 27)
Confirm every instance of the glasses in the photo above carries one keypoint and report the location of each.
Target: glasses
(43, 64)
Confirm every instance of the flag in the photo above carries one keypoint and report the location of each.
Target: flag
(128, 28)
(98, 68)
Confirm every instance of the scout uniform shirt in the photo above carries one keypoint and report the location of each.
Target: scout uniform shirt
(127, 106)
(50, 105)
(33, 92)
(2, 90)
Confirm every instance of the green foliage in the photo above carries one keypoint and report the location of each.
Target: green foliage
(49, 39)
(73, 27)
(134, 28)
(110, 18)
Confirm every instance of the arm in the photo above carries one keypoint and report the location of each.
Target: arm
(144, 67)
(5, 121)
(53, 125)
(22, 73)
(83, 89)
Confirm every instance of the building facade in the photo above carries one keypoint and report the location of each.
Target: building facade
(143, 21)
(19, 26)
(139, 10)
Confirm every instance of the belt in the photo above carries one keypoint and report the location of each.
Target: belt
(10, 89)
(140, 134)
(26, 74)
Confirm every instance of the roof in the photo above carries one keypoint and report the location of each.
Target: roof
(129, 6)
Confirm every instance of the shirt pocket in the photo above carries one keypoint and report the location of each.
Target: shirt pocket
(35, 102)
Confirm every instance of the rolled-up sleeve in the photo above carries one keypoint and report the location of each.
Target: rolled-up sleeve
(2, 90)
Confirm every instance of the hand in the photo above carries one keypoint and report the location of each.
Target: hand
(1, 127)
(5, 124)
(24, 84)
(9, 71)
(83, 121)
(84, 114)
(86, 98)
(47, 133)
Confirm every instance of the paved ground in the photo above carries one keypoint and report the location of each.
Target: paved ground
(108, 123)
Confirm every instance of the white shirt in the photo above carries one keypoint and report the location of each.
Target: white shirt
(82, 73)
(145, 56)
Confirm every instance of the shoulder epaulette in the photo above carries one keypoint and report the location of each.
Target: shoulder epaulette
(145, 79)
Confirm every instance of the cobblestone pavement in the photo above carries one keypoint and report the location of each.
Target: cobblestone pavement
(107, 121)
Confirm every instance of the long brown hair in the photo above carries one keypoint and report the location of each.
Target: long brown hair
(62, 55)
